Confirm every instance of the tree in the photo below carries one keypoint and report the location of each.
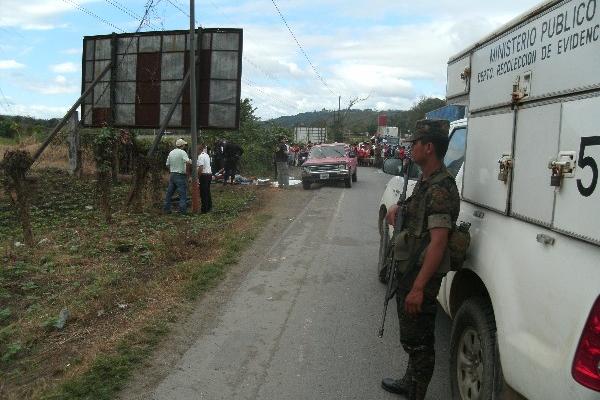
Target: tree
(8, 129)
(409, 118)
(341, 119)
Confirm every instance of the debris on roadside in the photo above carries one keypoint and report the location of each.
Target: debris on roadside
(62, 319)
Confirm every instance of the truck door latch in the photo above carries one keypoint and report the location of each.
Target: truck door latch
(505, 162)
(562, 167)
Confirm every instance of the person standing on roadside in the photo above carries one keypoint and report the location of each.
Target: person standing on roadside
(431, 214)
(232, 154)
(281, 160)
(204, 178)
(176, 161)
(218, 154)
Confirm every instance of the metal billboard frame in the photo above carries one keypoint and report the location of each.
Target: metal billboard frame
(148, 99)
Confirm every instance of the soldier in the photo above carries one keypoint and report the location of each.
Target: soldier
(431, 214)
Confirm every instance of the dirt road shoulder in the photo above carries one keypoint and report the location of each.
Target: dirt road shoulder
(203, 315)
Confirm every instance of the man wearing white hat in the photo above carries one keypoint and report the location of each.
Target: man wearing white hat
(176, 161)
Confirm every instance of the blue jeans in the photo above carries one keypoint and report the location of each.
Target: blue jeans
(177, 182)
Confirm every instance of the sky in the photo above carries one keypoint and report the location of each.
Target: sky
(387, 53)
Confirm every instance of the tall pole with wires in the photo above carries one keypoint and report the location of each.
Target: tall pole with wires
(193, 122)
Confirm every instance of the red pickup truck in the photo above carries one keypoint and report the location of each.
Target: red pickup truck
(330, 163)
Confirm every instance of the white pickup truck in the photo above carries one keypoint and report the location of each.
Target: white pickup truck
(526, 305)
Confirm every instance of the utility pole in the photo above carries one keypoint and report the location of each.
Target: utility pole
(194, 122)
(338, 131)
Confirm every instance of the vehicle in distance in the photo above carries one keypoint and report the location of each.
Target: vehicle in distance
(329, 163)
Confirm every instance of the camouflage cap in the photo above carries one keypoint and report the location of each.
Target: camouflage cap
(429, 127)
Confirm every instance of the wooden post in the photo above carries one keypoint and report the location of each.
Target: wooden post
(194, 122)
(75, 167)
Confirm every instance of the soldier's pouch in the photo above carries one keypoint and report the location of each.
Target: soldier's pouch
(458, 245)
(402, 251)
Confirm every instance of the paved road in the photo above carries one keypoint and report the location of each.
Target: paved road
(303, 324)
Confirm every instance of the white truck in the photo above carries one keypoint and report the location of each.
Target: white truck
(526, 305)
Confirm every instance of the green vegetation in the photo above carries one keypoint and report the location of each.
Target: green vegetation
(360, 121)
(136, 273)
(17, 127)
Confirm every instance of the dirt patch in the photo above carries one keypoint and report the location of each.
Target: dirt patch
(282, 206)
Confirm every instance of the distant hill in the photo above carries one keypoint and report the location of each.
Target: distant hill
(359, 121)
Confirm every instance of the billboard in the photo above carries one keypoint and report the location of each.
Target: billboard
(147, 70)
(310, 134)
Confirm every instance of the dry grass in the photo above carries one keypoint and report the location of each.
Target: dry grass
(54, 156)
(116, 280)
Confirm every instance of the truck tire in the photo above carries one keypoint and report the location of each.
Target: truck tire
(348, 182)
(474, 358)
(384, 243)
(354, 176)
(305, 185)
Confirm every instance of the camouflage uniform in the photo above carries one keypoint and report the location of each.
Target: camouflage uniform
(434, 203)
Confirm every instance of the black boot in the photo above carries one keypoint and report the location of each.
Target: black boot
(398, 386)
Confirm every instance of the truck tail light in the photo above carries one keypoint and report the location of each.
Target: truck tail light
(586, 365)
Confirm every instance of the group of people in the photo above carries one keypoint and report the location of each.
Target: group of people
(226, 157)
(375, 152)
(297, 152)
(430, 215)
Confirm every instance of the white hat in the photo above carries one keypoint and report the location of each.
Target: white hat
(180, 142)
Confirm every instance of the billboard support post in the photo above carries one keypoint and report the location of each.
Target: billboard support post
(74, 146)
(135, 190)
(65, 119)
(194, 122)
(167, 119)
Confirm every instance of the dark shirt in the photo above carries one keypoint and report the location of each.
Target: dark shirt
(232, 152)
(281, 153)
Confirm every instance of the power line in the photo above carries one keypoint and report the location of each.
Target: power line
(88, 12)
(182, 11)
(244, 56)
(301, 48)
(148, 7)
(269, 95)
(8, 106)
(128, 11)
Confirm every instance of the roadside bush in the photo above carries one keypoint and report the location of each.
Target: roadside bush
(8, 129)
(104, 148)
(14, 166)
(144, 166)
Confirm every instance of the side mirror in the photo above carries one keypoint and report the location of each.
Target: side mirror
(352, 154)
(393, 166)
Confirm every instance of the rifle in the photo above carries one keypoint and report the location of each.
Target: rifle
(391, 268)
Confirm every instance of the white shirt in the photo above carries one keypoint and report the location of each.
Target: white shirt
(176, 161)
(204, 162)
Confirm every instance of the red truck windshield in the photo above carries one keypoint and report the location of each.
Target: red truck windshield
(327, 151)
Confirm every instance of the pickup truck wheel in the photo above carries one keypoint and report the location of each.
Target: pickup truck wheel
(474, 359)
(348, 182)
(384, 244)
(354, 176)
(305, 185)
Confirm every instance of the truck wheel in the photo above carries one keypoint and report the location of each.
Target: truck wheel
(348, 182)
(354, 176)
(474, 359)
(384, 243)
(305, 185)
